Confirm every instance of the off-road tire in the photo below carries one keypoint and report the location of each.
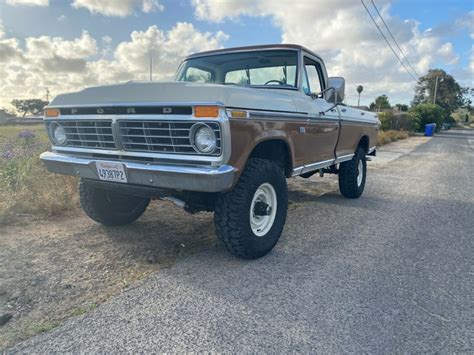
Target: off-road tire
(348, 173)
(232, 211)
(109, 207)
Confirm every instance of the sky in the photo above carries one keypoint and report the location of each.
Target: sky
(66, 45)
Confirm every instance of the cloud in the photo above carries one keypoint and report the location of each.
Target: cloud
(344, 35)
(28, 2)
(70, 65)
(466, 22)
(10, 51)
(46, 47)
(120, 8)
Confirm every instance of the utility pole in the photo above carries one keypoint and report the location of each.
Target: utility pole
(436, 88)
(47, 95)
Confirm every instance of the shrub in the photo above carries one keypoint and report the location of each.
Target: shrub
(424, 114)
(396, 121)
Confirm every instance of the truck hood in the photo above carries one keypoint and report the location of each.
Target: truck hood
(178, 93)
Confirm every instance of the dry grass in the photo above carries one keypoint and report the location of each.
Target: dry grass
(386, 137)
(26, 187)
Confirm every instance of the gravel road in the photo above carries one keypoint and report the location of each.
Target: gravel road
(389, 272)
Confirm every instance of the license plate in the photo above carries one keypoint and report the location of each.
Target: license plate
(111, 171)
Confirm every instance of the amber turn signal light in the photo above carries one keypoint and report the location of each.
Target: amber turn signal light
(51, 112)
(206, 111)
(238, 114)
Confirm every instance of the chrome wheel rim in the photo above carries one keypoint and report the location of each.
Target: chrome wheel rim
(263, 210)
(360, 173)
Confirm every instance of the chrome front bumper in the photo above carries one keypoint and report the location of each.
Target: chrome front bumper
(204, 179)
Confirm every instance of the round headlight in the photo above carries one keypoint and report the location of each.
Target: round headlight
(58, 134)
(203, 138)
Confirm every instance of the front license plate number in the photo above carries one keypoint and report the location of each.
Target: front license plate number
(108, 171)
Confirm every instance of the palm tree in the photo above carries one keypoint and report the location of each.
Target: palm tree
(360, 88)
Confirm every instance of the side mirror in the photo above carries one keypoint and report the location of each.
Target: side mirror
(339, 86)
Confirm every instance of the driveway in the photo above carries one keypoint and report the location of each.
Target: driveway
(389, 272)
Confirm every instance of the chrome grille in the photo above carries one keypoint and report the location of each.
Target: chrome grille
(89, 134)
(161, 136)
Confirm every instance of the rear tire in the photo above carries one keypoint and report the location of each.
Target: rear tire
(352, 175)
(250, 218)
(109, 207)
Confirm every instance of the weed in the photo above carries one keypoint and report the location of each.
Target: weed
(26, 187)
(79, 311)
(385, 137)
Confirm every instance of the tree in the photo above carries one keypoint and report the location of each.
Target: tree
(423, 114)
(359, 89)
(402, 107)
(449, 94)
(34, 106)
(380, 103)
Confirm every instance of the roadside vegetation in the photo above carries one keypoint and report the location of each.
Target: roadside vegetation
(26, 187)
(386, 137)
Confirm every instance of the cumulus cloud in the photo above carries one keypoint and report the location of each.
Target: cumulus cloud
(28, 2)
(344, 35)
(119, 8)
(467, 21)
(70, 65)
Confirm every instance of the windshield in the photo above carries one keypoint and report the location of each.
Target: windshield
(271, 68)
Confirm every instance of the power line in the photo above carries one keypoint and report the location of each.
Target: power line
(386, 40)
(393, 37)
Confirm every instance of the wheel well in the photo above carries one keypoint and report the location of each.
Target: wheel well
(364, 143)
(277, 151)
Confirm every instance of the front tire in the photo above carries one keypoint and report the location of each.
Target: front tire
(250, 218)
(110, 208)
(352, 175)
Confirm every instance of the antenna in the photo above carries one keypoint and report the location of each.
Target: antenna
(151, 66)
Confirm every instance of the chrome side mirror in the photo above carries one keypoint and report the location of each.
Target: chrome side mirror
(338, 85)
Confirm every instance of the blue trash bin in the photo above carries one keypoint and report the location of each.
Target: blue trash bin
(430, 129)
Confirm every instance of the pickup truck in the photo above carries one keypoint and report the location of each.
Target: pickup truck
(222, 137)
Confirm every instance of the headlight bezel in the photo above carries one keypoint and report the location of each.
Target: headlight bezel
(53, 129)
(192, 136)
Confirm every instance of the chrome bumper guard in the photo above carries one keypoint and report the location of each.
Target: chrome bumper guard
(203, 179)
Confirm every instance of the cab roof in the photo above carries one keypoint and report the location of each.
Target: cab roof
(295, 47)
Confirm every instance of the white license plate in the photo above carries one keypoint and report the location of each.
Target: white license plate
(111, 171)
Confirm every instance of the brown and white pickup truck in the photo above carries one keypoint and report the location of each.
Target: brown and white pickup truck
(222, 137)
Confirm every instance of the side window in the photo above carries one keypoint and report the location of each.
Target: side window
(197, 75)
(313, 78)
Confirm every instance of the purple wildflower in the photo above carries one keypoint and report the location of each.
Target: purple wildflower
(26, 134)
(7, 154)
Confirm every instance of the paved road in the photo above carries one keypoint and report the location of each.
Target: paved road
(390, 272)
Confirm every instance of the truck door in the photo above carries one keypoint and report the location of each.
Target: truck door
(322, 128)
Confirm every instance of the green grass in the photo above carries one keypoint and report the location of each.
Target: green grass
(37, 328)
(79, 311)
(26, 187)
